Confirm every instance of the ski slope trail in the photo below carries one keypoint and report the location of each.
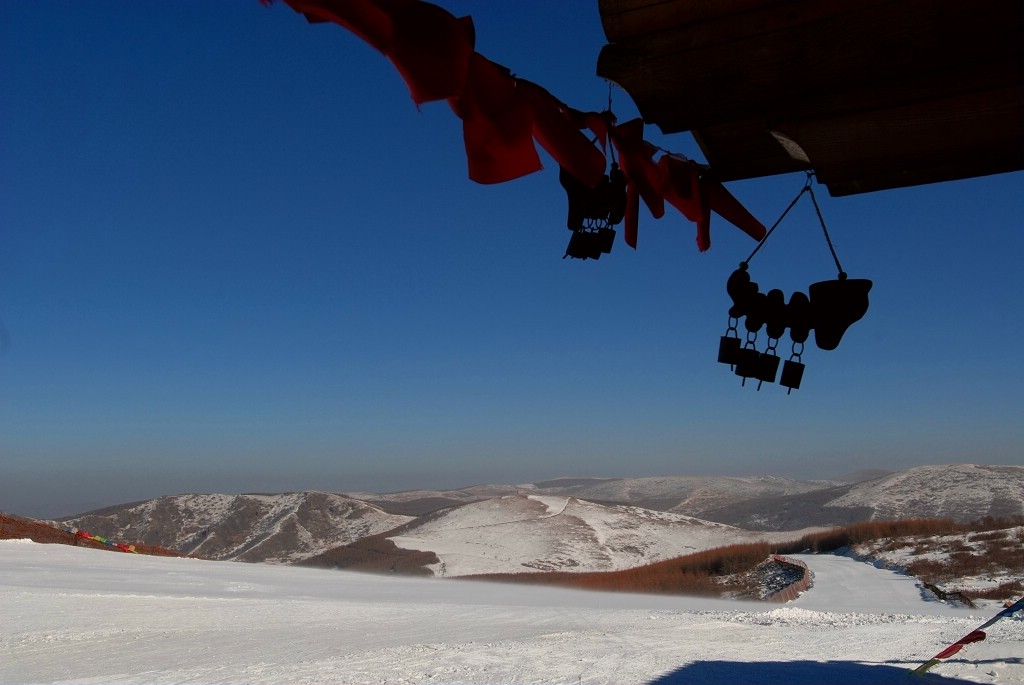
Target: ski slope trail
(72, 615)
(844, 584)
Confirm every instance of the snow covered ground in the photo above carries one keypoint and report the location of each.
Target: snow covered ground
(72, 615)
(517, 534)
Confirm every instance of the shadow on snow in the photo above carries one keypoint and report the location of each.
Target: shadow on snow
(797, 672)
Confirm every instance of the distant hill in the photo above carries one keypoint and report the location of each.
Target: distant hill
(688, 495)
(562, 524)
(528, 533)
(863, 475)
(275, 528)
(963, 492)
(20, 528)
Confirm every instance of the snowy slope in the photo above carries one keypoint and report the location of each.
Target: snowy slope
(690, 495)
(525, 533)
(960, 491)
(982, 561)
(275, 528)
(965, 492)
(71, 615)
(295, 526)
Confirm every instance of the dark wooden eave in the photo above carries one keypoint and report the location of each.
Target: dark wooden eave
(871, 94)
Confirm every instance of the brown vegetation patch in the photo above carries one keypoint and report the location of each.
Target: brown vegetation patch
(726, 570)
(417, 507)
(377, 554)
(990, 557)
(19, 528)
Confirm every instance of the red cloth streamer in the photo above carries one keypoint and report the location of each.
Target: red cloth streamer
(642, 174)
(429, 46)
(729, 208)
(497, 125)
(599, 123)
(362, 17)
(434, 52)
(683, 190)
(975, 636)
(560, 136)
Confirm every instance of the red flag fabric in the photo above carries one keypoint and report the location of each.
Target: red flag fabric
(631, 220)
(642, 174)
(555, 131)
(434, 52)
(597, 122)
(429, 46)
(635, 159)
(497, 126)
(975, 636)
(683, 191)
(681, 185)
(362, 17)
(729, 208)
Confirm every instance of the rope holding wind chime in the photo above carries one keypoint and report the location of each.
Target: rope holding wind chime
(829, 308)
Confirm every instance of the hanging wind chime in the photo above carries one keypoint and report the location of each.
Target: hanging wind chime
(593, 212)
(829, 309)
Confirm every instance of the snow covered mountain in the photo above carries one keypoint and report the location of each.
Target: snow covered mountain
(689, 495)
(565, 524)
(963, 492)
(530, 533)
(274, 528)
(958, 491)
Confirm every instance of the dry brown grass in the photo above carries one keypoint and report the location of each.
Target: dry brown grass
(19, 528)
(994, 555)
(1013, 588)
(375, 554)
(836, 538)
(703, 573)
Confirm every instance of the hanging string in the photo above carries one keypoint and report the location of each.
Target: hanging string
(597, 140)
(828, 239)
(806, 188)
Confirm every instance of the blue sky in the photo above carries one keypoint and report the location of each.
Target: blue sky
(237, 257)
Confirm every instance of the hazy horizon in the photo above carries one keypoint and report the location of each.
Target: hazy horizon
(46, 512)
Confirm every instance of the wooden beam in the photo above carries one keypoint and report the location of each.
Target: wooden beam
(629, 19)
(955, 137)
(809, 59)
(745, 150)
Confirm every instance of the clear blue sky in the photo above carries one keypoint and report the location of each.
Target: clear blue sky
(236, 257)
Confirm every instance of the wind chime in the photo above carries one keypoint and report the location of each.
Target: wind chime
(593, 212)
(829, 308)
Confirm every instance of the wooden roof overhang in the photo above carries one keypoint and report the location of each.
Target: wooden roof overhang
(870, 94)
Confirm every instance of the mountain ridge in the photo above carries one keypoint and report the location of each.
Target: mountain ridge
(582, 523)
(277, 528)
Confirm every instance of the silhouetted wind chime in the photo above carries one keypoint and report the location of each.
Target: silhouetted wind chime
(593, 212)
(830, 308)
